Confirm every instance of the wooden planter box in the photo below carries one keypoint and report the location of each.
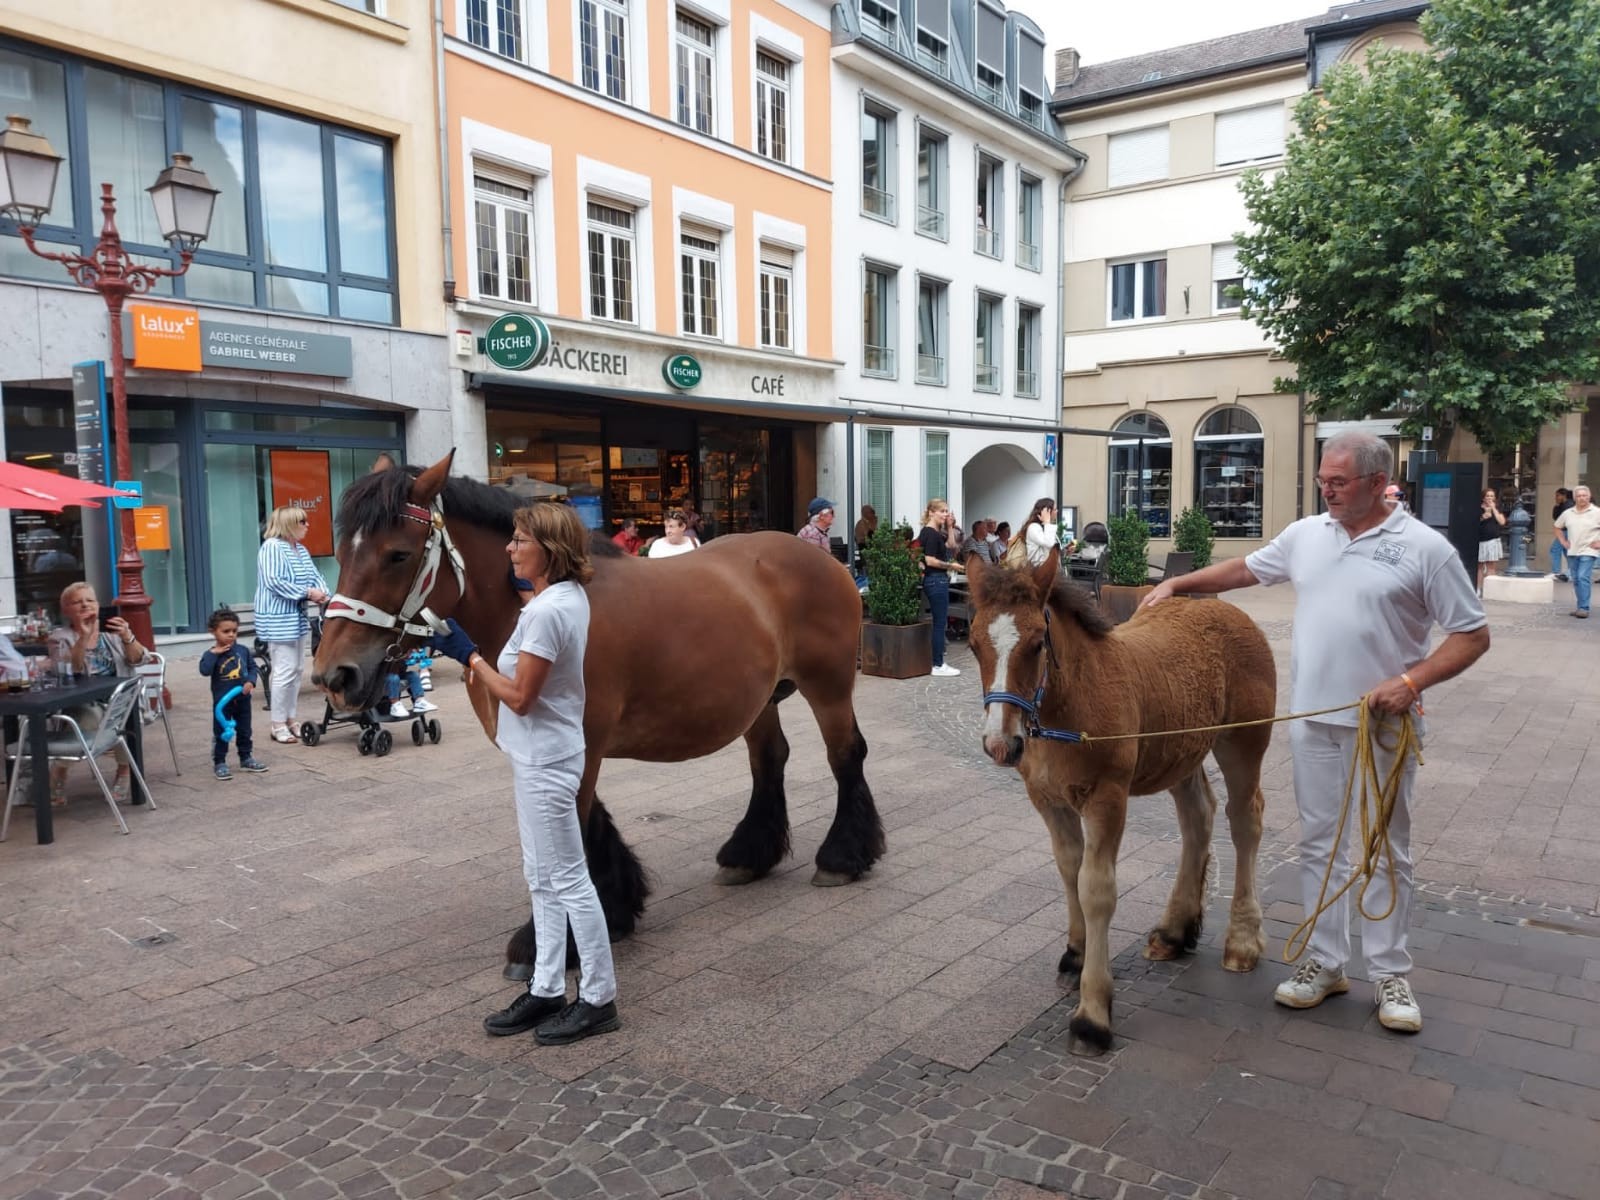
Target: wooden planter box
(897, 651)
(1120, 602)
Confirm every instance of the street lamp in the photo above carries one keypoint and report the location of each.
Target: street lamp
(183, 199)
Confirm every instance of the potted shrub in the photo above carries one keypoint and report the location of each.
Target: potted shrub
(1127, 570)
(1192, 532)
(896, 639)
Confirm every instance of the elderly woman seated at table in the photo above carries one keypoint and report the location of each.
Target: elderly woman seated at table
(92, 647)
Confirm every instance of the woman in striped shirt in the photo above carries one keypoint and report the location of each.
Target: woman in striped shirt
(286, 579)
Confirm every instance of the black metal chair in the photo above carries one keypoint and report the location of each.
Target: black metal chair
(1179, 562)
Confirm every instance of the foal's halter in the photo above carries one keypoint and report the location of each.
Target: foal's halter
(1031, 707)
(436, 547)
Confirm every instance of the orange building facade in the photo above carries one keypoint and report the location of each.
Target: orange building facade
(648, 185)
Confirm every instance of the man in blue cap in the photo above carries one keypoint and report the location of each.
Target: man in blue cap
(816, 529)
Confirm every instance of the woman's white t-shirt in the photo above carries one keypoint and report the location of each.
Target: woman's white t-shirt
(554, 626)
(1040, 540)
(661, 548)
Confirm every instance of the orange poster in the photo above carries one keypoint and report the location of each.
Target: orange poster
(165, 337)
(300, 479)
(152, 529)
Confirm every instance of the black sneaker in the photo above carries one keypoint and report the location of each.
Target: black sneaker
(254, 765)
(522, 1014)
(220, 770)
(576, 1021)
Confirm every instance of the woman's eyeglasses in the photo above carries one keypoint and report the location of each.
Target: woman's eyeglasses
(519, 540)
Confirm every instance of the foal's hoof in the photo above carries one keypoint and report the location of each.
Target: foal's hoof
(831, 878)
(734, 876)
(1159, 947)
(1244, 952)
(1071, 962)
(517, 971)
(1087, 1038)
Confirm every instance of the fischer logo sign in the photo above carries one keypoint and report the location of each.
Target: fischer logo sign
(516, 342)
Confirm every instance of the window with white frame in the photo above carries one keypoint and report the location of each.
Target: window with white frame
(375, 7)
(933, 35)
(877, 162)
(496, 25)
(1030, 222)
(1031, 89)
(772, 106)
(933, 329)
(991, 195)
(1028, 324)
(1226, 274)
(696, 59)
(699, 259)
(503, 215)
(986, 350)
(603, 42)
(1138, 290)
(878, 472)
(1249, 135)
(878, 320)
(933, 183)
(1138, 156)
(776, 298)
(611, 262)
(935, 463)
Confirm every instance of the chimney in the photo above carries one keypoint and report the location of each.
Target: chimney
(1066, 67)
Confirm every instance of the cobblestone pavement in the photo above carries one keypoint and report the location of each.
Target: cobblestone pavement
(273, 986)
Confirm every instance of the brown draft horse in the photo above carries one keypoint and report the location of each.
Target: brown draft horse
(684, 655)
(1178, 665)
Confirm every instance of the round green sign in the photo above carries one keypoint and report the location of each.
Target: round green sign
(516, 342)
(682, 371)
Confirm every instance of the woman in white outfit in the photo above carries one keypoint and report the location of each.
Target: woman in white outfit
(286, 581)
(1040, 532)
(538, 679)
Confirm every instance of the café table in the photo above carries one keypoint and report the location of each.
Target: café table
(38, 703)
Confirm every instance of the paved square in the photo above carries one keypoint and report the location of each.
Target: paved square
(273, 987)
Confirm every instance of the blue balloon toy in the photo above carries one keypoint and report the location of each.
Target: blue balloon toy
(227, 723)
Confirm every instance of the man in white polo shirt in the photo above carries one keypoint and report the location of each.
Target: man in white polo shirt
(1370, 581)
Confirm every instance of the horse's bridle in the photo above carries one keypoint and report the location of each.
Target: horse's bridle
(438, 545)
(1031, 707)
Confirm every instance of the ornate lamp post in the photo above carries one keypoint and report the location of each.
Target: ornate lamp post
(183, 199)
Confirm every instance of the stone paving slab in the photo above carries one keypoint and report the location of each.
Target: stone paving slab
(328, 937)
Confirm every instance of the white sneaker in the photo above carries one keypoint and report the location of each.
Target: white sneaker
(1397, 1007)
(944, 671)
(426, 675)
(1310, 985)
(397, 708)
(423, 705)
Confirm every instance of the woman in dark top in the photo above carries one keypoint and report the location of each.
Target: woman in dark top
(1490, 522)
(1557, 555)
(934, 544)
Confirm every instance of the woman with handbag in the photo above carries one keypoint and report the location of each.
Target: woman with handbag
(286, 581)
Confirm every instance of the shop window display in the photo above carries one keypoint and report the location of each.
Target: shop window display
(1229, 464)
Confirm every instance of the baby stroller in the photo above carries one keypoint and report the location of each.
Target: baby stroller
(374, 738)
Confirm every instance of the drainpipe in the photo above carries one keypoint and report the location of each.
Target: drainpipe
(1061, 325)
(1299, 457)
(850, 491)
(446, 233)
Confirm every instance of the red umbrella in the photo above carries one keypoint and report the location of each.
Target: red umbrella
(12, 498)
(51, 488)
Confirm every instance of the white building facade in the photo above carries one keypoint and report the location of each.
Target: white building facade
(948, 203)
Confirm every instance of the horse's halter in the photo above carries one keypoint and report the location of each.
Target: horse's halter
(438, 545)
(1031, 707)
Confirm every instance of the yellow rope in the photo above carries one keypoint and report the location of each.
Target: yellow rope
(1086, 738)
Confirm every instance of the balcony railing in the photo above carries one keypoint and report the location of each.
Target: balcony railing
(877, 360)
(990, 94)
(932, 222)
(1027, 383)
(878, 24)
(986, 241)
(930, 369)
(877, 202)
(987, 377)
(1028, 255)
(936, 61)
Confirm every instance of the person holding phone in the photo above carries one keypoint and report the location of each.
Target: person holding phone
(92, 643)
(1490, 522)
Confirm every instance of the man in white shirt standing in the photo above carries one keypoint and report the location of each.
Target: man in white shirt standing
(1370, 581)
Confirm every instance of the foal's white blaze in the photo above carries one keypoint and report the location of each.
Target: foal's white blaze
(1003, 637)
(355, 542)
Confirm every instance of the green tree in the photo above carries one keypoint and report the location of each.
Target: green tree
(1422, 249)
(894, 576)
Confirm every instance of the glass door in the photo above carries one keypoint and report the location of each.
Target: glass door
(160, 533)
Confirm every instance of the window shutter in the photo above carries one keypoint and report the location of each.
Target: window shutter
(1030, 66)
(934, 16)
(879, 472)
(777, 256)
(992, 39)
(1137, 157)
(1249, 134)
(1225, 262)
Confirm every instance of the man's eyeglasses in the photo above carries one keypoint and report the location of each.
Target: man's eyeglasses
(1340, 484)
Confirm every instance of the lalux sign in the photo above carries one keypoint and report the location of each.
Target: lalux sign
(516, 342)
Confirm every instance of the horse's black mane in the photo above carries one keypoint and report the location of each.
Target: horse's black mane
(1007, 587)
(374, 500)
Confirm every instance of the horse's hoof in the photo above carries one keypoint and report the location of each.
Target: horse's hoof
(1244, 954)
(1158, 947)
(734, 876)
(518, 972)
(1071, 962)
(831, 878)
(1087, 1038)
